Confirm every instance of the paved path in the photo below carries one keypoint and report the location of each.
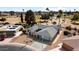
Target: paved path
(38, 45)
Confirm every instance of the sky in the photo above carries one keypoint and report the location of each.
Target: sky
(38, 8)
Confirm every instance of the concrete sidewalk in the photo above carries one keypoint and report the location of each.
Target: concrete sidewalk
(38, 46)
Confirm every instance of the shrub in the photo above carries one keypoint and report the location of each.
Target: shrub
(75, 17)
(24, 31)
(66, 32)
(21, 29)
(78, 30)
(74, 34)
(3, 19)
(63, 20)
(75, 23)
(17, 24)
(54, 22)
(68, 28)
(45, 16)
(75, 29)
(24, 25)
(6, 23)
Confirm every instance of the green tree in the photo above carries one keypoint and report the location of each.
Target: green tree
(11, 13)
(69, 13)
(45, 16)
(21, 18)
(60, 12)
(75, 17)
(39, 12)
(3, 19)
(51, 14)
(30, 17)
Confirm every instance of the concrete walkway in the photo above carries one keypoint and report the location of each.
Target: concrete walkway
(38, 46)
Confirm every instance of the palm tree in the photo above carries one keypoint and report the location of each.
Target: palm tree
(21, 17)
(47, 9)
(59, 16)
(60, 12)
(23, 10)
(39, 12)
(74, 10)
(48, 12)
(51, 14)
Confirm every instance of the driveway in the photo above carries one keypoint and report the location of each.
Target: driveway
(38, 46)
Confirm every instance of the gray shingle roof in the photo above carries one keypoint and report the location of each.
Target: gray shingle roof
(35, 27)
(48, 33)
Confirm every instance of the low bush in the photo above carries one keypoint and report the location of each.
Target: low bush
(74, 34)
(75, 23)
(75, 29)
(66, 32)
(6, 23)
(68, 28)
(3, 19)
(78, 30)
(17, 24)
(54, 23)
(24, 31)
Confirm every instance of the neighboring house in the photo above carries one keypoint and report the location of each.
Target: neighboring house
(47, 33)
(71, 43)
(10, 30)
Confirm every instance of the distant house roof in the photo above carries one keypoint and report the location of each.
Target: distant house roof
(10, 27)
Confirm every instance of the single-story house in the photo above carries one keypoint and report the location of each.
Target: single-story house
(47, 33)
(10, 30)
